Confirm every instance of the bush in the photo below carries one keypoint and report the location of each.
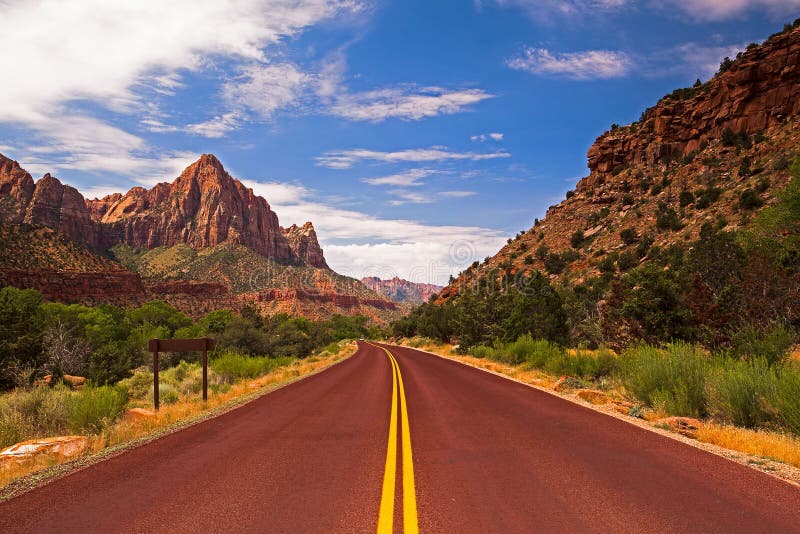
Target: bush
(740, 392)
(92, 409)
(672, 380)
(752, 344)
(706, 197)
(554, 264)
(231, 365)
(482, 351)
(629, 236)
(788, 397)
(577, 239)
(582, 364)
(749, 200)
(685, 198)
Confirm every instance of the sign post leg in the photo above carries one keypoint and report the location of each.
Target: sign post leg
(155, 379)
(205, 375)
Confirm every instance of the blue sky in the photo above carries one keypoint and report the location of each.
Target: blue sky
(416, 135)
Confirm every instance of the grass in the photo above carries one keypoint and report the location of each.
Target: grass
(46, 412)
(762, 443)
(232, 366)
(672, 380)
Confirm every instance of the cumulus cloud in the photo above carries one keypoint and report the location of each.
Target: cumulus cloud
(586, 65)
(358, 244)
(344, 159)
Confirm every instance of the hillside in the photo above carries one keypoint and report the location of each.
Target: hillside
(402, 291)
(717, 152)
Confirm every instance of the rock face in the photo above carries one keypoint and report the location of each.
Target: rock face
(203, 207)
(304, 245)
(402, 291)
(759, 91)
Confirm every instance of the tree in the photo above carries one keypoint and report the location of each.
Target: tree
(21, 327)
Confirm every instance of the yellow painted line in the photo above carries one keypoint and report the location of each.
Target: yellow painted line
(386, 514)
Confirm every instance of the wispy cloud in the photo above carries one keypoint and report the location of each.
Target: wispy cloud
(547, 10)
(410, 178)
(408, 103)
(712, 10)
(494, 136)
(409, 197)
(457, 194)
(264, 88)
(344, 159)
(586, 65)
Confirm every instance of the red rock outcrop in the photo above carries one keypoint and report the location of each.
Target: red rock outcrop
(305, 247)
(16, 190)
(758, 91)
(203, 207)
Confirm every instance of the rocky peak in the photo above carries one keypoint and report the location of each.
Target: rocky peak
(16, 190)
(304, 244)
(758, 91)
(400, 290)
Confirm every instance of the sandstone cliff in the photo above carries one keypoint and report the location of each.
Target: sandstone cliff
(304, 245)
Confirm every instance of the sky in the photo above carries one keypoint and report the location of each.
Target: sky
(417, 136)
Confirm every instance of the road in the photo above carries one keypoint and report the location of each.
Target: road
(342, 451)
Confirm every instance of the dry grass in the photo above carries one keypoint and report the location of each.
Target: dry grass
(191, 408)
(761, 443)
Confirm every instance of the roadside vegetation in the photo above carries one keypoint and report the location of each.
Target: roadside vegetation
(78, 370)
(115, 415)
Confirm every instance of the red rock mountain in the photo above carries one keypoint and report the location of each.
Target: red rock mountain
(402, 291)
(696, 156)
(203, 207)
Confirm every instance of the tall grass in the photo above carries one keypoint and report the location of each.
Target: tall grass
(742, 393)
(44, 412)
(672, 380)
(551, 357)
(788, 397)
(231, 366)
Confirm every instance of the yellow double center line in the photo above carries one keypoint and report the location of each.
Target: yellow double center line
(386, 514)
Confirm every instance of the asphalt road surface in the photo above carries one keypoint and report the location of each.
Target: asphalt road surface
(342, 451)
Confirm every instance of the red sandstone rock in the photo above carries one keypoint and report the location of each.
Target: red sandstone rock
(400, 290)
(305, 247)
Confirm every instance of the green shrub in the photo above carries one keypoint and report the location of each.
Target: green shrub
(629, 236)
(577, 239)
(753, 344)
(740, 392)
(167, 394)
(482, 351)
(685, 198)
(92, 409)
(749, 200)
(139, 384)
(788, 397)
(672, 380)
(231, 366)
(543, 351)
(582, 364)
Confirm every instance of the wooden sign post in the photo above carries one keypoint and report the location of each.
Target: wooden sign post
(155, 346)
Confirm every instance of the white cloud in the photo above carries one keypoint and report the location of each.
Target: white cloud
(410, 178)
(118, 55)
(344, 159)
(409, 197)
(457, 194)
(265, 88)
(547, 9)
(707, 10)
(696, 59)
(358, 244)
(409, 103)
(213, 128)
(494, 136)
(587, 65)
